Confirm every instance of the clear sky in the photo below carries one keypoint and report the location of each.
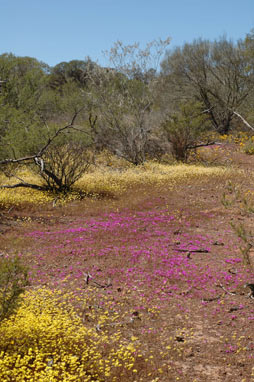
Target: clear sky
(62, 30)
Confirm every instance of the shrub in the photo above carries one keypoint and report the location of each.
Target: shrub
(185, 129)
(63, 165)
(13, 279)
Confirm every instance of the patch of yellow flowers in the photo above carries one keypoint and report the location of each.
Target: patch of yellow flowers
(150, 173)
(105, 180)
(244, 139)
(47, 341)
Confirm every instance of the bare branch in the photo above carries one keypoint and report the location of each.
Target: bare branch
(19, 160)
(243, 120)
(44, 148)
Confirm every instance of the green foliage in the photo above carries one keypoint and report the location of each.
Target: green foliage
(185, 129)
(75, 71)
(22, 97)
(13, 280)
(23, 133)
(25, 78)
(30, 108)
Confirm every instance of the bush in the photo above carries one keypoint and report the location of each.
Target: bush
(13, 279)
(63, 165)
(185, 129)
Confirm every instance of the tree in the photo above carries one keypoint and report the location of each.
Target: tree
(217, 74)
(20, 97)
(246, 113)
(123, 98)
(185, 130)
(249, 45)
(24, 79)
(75, 70)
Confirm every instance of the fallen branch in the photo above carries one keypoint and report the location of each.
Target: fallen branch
(10, 209)
(113, 324)
(88, 276)
(109, 284)
(26, 185)
(212, 298)
(191, 250)
(225, 290)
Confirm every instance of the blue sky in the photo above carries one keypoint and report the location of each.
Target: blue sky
(62, 30)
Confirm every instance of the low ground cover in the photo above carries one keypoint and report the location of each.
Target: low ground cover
(152, 281)
(103, 181)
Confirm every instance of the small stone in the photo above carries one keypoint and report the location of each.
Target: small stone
(218, 243)
(179, 339)
(189, 352)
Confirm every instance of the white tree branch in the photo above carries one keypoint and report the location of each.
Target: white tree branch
(243, 120)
